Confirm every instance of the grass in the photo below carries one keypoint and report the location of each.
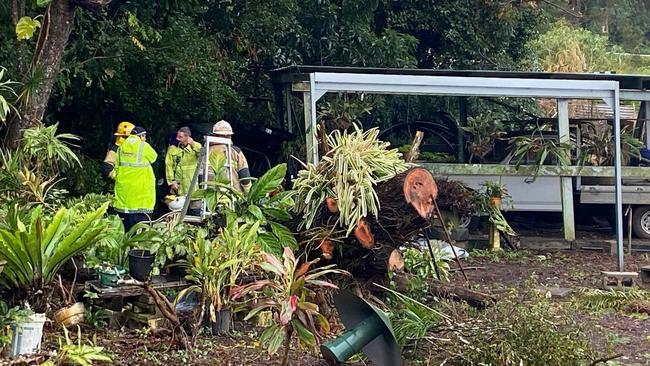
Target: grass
(498, 255)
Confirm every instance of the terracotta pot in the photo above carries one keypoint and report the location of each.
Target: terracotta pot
(70, 315)
(496, 201)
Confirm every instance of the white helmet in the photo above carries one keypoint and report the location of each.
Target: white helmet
(176, 204)
(222, 128)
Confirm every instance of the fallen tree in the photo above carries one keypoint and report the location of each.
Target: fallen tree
(361, 202)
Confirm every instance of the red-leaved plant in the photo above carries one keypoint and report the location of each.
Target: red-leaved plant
(288, 294)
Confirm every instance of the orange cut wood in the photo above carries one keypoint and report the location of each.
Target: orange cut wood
(364, 235)
(420, 191)
(327, 249)
(332, 204)
(395, 261)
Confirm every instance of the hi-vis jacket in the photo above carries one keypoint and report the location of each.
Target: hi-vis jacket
(180, 164)
(135, 183)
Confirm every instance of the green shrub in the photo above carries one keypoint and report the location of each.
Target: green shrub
(534, 332)
(521, 329)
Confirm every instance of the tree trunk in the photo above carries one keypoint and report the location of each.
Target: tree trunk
(44, 69)
(475, 299)
(406, 207)
(17, 12)
(46, 62)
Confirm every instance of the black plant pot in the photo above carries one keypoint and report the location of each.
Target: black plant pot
(176, 272)
(222, 323)
(140, 264)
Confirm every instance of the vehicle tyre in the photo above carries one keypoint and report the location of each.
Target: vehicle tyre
(641, 222)
(469, 222)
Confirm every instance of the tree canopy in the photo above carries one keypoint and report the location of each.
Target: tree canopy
(170, 62)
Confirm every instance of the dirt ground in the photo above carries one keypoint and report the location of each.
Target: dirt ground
(553, 268)
(624, 334)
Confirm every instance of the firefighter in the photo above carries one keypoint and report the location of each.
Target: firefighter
(181, 161)
(123, 131)
(135, 183)
(241, 175)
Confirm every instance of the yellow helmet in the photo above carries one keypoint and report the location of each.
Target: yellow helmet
(124, 128)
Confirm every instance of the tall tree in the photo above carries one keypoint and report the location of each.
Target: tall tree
(46, 59)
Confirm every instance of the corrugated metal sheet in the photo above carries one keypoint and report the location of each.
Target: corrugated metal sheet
(600, 110)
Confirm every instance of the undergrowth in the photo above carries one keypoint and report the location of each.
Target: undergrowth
(633, 300)
(524, 328)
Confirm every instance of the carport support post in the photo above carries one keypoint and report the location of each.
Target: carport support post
(616, 106)
(311, 141)
(565, 182)
(462, 122)
(646, 121)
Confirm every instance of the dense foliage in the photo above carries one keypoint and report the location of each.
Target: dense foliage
(175, 62)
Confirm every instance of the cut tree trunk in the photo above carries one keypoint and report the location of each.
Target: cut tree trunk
(476, 299)
(406, 207)
(402, 216)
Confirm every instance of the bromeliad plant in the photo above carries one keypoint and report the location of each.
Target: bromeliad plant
(539, 149)
(215, 266)
(35, 252)
(484, 129)
(347, 174)
(288, 294)
(597, 147)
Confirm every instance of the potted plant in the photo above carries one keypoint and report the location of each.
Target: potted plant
(496, 191)
(597, 146)
(289, 294)
(34, 254)
(110, 256)
(174, 247)
(141, 263)
(539, 150)
(72, 313)
(214, 267)
(10, 319)
(110, 274)
(485, 129)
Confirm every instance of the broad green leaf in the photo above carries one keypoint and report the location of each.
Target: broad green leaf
(43, 3)
(256, 310)
(304, 334)
(270, 243)
(284, 234)
(277, 214)
(257, 213)
(276, 340)
(267, 183)
(26, 27)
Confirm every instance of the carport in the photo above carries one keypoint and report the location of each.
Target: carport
(314, 82)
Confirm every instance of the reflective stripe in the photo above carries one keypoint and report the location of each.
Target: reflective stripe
(140, 150)
(134, 165)
(138, 210)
